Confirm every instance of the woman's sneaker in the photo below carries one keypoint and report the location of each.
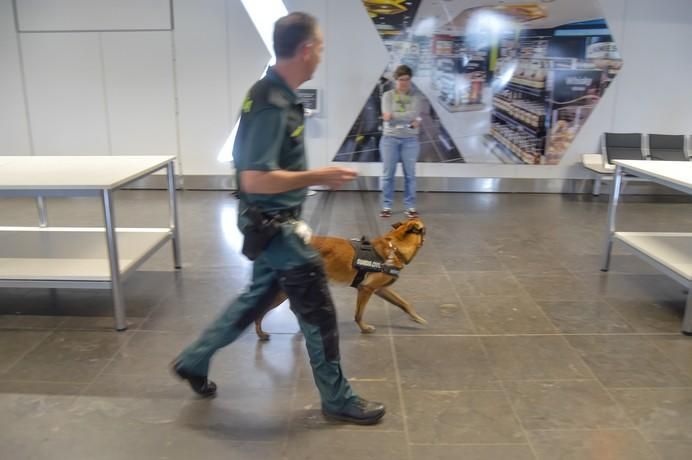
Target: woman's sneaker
(386, 212)
(411, 213)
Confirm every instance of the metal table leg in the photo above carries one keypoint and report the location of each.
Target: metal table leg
(173, 213)
(597, 186)
(687, 319)
(111, 240)
(612, 209)
(42, 214)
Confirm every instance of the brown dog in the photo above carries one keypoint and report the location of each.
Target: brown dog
(398, 248)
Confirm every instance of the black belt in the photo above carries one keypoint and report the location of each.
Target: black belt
(283, 215)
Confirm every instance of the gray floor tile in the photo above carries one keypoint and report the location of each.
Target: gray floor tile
(19, 321)
(591, 445)
(671, 450)
(69, 356)
(462, 366)
(564, 286)
(534, 358)
(27, 409)
(677, 348)
(467, 417)
(565, 405)
(660, 414)
(507, 315)
(651, 316)
(620, 264)
(537, 263)
(585, 316)
(631, 287)
(15, 344)
(314, 444)
(97, 323)
(499, 283)
(148, 353)
(460, 262)
(515, 452)
(242, 415)
(414, 287)
(426, 268)
(628, 361)
(368, 358)
(271, 366)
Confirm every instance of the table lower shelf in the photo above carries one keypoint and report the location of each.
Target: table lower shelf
(671, 251)
(69, 256)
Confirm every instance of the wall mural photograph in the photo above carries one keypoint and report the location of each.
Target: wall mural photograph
(500, 82)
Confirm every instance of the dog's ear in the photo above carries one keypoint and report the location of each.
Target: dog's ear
(396, 225)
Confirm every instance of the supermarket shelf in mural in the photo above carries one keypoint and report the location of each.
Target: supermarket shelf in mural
(502, 83)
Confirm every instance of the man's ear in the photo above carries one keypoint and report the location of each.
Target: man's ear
(306, 49)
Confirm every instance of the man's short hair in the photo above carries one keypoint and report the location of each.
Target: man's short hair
(291, 31)
(402, 70)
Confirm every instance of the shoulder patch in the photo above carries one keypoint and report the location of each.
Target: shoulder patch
(298, 131)
(247, 104)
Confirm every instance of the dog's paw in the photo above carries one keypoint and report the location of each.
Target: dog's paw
(419, 319)
(263, 337)
(367, 329)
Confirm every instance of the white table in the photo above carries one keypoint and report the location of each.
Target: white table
(86, 257)
(671, 253)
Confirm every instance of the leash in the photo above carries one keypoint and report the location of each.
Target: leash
(373, 228)
(321, 216)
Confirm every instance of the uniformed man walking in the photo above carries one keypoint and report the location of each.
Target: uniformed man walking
(269, 156)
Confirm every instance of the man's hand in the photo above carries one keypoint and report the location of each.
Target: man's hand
(335, 176)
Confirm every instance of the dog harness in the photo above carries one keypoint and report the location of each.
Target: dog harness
(367, 260)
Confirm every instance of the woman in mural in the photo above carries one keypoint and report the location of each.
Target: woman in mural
(399, 142)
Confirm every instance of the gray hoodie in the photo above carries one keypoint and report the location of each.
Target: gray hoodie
(405, 108)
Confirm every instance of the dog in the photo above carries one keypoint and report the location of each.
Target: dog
(397, 248)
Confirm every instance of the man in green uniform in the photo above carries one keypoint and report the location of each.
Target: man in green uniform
(269, 156)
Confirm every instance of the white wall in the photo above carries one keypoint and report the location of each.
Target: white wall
(218, 56)
(14, 126)
(73, 15)
(65, 93)
(132, 88)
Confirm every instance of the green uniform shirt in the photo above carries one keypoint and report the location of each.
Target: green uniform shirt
(270, 137)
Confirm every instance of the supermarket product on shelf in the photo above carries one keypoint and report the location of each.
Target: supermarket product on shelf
(530, 73)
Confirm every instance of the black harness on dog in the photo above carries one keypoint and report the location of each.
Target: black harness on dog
(367, 260)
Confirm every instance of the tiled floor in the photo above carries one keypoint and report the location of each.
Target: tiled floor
(530, 351)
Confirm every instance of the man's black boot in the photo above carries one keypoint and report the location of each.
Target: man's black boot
(199, 384)
(358, 411)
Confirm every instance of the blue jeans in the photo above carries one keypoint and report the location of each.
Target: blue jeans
(395, 150)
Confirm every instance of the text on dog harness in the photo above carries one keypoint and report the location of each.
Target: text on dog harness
(367, 260)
